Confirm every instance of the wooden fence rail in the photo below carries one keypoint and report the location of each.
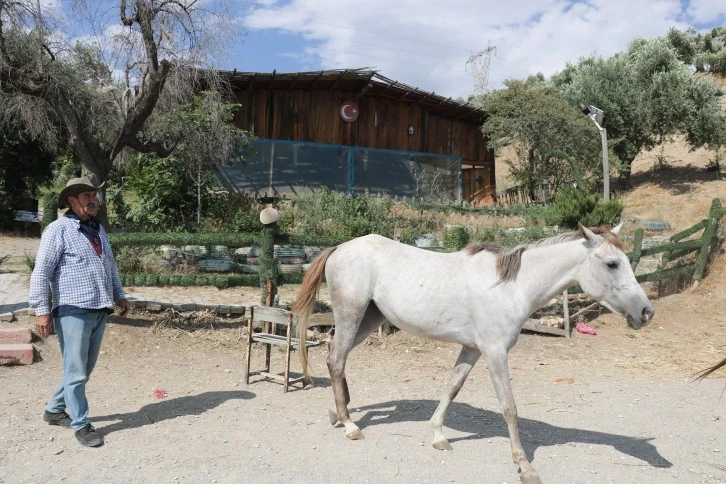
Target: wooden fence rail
(677, 247)
(673, 251)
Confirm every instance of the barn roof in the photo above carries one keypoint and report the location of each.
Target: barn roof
(361, 82)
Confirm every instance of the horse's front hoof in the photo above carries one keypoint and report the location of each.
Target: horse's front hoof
(530, 477)
(442, 445)
(333, 417)
(355, 435)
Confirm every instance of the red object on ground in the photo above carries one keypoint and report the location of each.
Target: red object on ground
(158, 393)
(585, 329)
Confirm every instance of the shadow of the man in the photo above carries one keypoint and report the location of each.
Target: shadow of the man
(485, 424)
(169, 409)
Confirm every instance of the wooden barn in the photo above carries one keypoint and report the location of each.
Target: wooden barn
(358, 131)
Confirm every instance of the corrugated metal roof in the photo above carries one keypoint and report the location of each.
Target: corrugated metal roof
(362, 82)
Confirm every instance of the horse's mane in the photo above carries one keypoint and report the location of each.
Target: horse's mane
(509, 260)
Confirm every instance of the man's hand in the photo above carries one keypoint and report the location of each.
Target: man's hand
(43, 325)
(124, 306)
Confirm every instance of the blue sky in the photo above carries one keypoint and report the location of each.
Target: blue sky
(426, 43)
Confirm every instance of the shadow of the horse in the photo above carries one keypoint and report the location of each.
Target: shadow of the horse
(485, 424)
(170, 409)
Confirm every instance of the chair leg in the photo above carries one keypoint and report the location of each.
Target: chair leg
(249, 351)
(268, 348)
(267, 357)
(287, 354)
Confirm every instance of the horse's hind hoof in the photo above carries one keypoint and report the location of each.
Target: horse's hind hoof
(355, 435)
(442, 445)
(530, 477)
(333, 417)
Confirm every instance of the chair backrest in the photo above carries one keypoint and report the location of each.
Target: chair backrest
(272, 315)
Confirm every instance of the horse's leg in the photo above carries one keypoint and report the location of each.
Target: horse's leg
(466, 361)
(499, 372)
(372, 318)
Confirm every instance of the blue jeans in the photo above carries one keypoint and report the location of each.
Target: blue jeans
(80, 338)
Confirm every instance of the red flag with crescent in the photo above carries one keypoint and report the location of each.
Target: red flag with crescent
(349, 111)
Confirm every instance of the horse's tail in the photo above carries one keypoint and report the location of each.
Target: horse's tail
(305, 302)
(704, 373)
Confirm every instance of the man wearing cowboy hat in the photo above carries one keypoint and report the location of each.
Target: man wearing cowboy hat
(75, 265)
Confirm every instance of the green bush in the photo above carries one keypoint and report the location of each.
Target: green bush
(187, 280)
(221, 282)
(137, 259)
(333, 214)
(245, 222)
(605, 213)
(573, 205)
(455, 238)
(230, 239)
(50, 208)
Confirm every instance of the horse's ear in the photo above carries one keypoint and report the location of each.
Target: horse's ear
(589, 235)
(617, 228)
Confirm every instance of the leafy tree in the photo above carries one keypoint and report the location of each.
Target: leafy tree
(710, 51)
(160, 197)
(208, 138)
(68, 93)
(537, 120)
(648, 95)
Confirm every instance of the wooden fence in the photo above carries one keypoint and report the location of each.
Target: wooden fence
(674, 252)
(679, 246)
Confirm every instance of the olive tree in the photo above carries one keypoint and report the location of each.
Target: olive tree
(649, 95)
(536, 119)
(105, 91)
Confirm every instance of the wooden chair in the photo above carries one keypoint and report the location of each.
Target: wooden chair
(271, 317)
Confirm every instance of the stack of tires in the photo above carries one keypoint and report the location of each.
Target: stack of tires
(290, 260)
(218, 260)
(248, 259)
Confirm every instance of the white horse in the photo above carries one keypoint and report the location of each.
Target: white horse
(479, 298)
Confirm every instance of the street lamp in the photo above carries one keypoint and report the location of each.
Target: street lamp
(596, 115)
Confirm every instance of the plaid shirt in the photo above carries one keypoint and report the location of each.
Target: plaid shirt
(67, 265)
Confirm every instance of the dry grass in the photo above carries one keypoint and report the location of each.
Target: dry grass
(679, 194)
(202, 326)
(473, 221)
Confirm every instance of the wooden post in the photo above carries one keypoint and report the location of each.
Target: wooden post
(268, 265)
(566, 309)
(702, 258)
(249, 347)
(637, 248)
(287, 350)
(268, 302)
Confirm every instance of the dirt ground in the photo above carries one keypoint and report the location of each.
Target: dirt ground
(618, 407)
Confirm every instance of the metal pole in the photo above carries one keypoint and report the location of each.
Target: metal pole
(605, 165)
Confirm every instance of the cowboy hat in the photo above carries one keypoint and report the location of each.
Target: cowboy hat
(74, 187)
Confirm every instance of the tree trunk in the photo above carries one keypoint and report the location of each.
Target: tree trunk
(98, 175)
(199, 195)
(530, 176)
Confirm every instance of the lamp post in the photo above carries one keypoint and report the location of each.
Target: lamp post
(596, 115)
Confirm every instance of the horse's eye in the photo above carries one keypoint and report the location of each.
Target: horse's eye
(613, 265)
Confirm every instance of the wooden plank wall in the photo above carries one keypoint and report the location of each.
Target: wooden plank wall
(313, 116)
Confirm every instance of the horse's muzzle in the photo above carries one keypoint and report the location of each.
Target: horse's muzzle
(645, 316)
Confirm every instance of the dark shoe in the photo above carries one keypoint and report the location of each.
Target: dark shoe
(57, 418)
(89, 437)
